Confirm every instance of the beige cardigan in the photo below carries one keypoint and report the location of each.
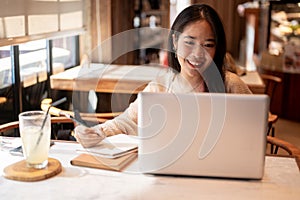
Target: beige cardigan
(127, 121)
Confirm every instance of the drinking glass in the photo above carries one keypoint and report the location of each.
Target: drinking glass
(35, 131)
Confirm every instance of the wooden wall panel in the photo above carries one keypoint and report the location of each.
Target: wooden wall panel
(114, 16)
(122, 20)
(104, 18)
(99, 28)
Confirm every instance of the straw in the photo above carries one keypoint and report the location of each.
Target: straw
(56, 103)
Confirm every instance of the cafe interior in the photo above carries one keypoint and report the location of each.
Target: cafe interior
(44, 44)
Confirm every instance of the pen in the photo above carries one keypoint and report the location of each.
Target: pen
(78, 121)
(56, 103)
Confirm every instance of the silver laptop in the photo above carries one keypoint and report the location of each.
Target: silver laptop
(207, 134)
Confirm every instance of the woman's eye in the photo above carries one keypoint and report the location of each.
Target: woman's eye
(189, 42)
(209, 45)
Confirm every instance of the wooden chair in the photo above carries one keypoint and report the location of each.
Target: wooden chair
(92, 117)
(289, 148)
(58, 122)
(271, 82)
(10, 126)
(60, 116)
(15, 124)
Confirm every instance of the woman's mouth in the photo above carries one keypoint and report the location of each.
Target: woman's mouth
(195, 64)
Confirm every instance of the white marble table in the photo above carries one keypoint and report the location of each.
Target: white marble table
(281, 181)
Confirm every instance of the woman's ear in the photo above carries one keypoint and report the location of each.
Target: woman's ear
(174, 42)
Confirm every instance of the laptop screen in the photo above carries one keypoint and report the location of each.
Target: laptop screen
(205, 134)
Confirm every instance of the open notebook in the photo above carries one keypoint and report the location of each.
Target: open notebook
(113, 146)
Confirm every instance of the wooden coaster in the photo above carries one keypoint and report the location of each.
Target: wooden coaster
(20, 172)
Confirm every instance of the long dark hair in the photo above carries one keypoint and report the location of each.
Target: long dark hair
(195, 13)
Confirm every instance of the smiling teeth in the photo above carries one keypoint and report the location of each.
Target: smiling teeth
(194, 63)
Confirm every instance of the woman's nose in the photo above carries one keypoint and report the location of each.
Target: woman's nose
(199, 51)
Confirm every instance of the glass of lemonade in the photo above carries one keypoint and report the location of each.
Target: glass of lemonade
(35, 131)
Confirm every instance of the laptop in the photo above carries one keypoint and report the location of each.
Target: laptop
(203, 134)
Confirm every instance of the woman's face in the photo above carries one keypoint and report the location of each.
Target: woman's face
(195, 48)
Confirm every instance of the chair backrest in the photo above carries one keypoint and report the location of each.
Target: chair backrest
(15, 124)
(90, 117)
(271, 83)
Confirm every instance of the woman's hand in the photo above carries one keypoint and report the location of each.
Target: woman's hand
(89, 137)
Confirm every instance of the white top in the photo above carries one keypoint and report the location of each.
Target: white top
(281, 181)
(169, 82)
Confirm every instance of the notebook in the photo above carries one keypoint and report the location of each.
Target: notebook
(204, 134)
(99, 162)
(113, 153)
(113, 146)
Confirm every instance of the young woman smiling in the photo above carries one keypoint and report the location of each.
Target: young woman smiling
(196, 52)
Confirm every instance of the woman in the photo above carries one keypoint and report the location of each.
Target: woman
(197, 47)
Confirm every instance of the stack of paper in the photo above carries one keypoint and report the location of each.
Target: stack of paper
(113, 153)
(113, 146)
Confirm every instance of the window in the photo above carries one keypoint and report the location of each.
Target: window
(34, 70)
(42, 38)
(65, 53)
(33, 60)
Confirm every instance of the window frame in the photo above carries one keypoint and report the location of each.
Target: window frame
(16, 82)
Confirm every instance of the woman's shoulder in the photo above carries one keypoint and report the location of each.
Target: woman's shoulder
(229, 74)
(233, 77)
(162, 82)
(234, 84)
